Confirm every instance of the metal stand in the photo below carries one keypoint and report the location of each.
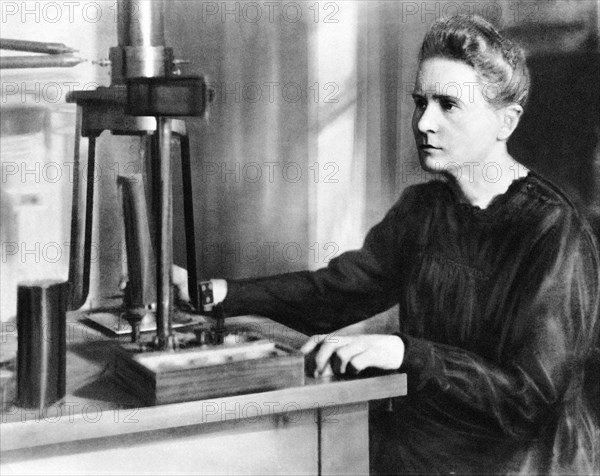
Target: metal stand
(145, 96)
(107, 109)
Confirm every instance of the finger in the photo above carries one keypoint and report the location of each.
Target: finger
(327, 372)
(311, 343)
(359, 362)
(347, 352)
(324, 354)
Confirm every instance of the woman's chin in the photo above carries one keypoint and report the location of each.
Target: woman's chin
(429, 163)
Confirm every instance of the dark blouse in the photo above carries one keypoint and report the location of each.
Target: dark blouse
(498, 311)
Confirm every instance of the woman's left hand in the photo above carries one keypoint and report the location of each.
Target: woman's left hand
(351, 354)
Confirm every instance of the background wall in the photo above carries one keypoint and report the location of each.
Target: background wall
(560, 132)
(36, 141)
(308, 141)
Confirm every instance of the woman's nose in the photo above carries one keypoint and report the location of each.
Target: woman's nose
(428, 120)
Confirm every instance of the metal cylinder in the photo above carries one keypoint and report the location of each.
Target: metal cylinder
(41, 351)
(141, 51)
(147, 61)
(164, 235)
(141, 23)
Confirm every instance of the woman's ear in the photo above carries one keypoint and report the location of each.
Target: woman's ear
(510, 117)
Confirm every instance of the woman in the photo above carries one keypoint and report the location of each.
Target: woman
(495, 273)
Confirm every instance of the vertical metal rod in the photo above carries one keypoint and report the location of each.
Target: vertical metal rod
(155, 180)
(81, 220)
(75, 248)
(148, 155)
(164, 234)
(89, 218)
(188, 211)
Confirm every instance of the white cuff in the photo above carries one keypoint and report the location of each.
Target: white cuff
(219, 290)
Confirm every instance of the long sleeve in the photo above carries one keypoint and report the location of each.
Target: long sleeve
(354, 286)
(545, 324)
(499, 314)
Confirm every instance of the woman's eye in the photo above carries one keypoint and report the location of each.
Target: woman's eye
(447, 105)
(420, 103)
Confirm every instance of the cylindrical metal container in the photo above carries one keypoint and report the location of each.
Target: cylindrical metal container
(141, 23)
(141, 33)
(42, 342)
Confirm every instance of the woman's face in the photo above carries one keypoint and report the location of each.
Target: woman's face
(454, 125)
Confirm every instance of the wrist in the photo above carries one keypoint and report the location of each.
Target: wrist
(400, 349)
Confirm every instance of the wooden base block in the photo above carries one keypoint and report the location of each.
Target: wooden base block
(210, 371)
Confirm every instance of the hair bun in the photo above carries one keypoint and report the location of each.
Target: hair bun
(474, 41)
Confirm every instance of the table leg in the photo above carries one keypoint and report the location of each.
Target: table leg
(344, 439)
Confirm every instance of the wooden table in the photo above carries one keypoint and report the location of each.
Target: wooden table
(98, 428)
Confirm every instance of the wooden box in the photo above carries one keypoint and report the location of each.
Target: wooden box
(210, 371)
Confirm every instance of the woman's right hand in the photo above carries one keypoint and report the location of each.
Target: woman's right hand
(180, 283)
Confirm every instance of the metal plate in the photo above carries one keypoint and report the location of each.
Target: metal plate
(116, 325)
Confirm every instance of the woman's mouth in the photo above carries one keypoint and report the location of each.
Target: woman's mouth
(428, 147)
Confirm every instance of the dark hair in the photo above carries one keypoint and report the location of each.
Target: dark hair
(496, 59)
